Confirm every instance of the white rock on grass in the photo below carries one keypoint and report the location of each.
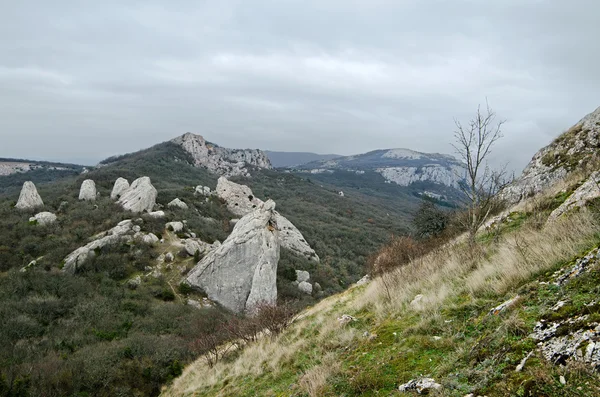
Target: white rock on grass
(140, 197)
(177, 203)
(302, 275)
(305, 287)
(29, 197)
(421, 386)
(88, 190)
(121, 185)
(175, 227)
(43, 218)
(156, 214)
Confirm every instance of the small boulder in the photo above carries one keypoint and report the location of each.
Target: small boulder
(346, 319)
(417, 300)
(302, 275)
(29, 197)
(156, 214)
(177, 203)
(134, 282)
(305, 287)
(176, 227)
(43, 218)
(169, 257)
(421, 386)
(121, 185)
(202, 190)
(88, 190)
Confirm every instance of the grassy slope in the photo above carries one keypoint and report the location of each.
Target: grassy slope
(449, 335)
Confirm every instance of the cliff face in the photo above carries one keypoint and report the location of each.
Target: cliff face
(223, 161)
(574, 149)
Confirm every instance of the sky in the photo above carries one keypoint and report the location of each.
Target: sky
(83, 80)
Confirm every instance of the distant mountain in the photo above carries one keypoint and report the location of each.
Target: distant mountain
(293, 159)
(13, 172)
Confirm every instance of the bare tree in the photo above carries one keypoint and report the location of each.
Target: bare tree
(474, 143)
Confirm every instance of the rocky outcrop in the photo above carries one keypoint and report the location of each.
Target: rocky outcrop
(140, 197)
(177, 203)
(29, 197)
(88, 190)
(449, 175)
(43, 218)
(121, 185)
(569, 151)
(241, 201)
(202, 191)
(239, 198)
(124, 232)
(228, 162)
(587, 192)
(241, 273)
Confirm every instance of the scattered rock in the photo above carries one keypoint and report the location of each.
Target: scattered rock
(140, 197)
(365, 280)
(523, 362)
(169, 257)
(193, 245)
(88, 191)
(121, 185)
(346, 319)
(317, 287)
(302, 275)
(305, 287)
(202, 191)
(156, 214)
(43, 218)
(134, 282)
(562, 380)
(175, 227)
(505, 306)
(29, 197)
(241, 273)
(581, 266)
(177, 203)
(421, 386)
(341, 194)
(417, 300)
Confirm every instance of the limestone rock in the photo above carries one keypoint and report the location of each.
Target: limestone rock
(421, 386)
(505, 306)
(156, 214)
(140, 197)
(88, 190)
(305, 287)
(240, 201)
(176, 227)
(43, 218)
(302, 275)
(228, 162)
(121, 186)
(587, 192)
(202, 191)
(241, 273)
(169, 257)
(29, 197)
(193, 245)
(568, 152)
(346, 319)
(134, 282)
(239, 198)
(177, 203)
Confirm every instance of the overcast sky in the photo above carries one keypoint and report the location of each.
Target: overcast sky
(83, 80)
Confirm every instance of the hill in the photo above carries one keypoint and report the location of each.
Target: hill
(291, 159)
(512, 315)
(14, 172)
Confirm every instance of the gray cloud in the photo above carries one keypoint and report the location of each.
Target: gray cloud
(82, 80)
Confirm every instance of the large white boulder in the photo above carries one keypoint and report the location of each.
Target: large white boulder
(121, 185)
(88, 190)
(241, 201)
(241, 273)
(29, 197)
(140, 197)
(43, 218)
(177, 203)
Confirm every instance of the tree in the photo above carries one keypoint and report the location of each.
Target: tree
(430, 221)
(474, 143)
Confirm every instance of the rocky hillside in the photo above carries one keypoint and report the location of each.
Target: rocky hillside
(294, 159)
(13, 172)
(573, 151)
(513, 315)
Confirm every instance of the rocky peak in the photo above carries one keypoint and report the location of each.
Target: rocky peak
(223, 161)
(571, 150)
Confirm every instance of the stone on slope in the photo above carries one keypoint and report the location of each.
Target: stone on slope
(241, 201)
(241, 273)
(156, 214)
(587, 192)
(88, 190)
(305, 287)
(175, 227)
(29, 197)
(121, 185)
(202, 190)
(140, 197)
(43, 218)
(177, 203)
(193, 245)
(302, 275)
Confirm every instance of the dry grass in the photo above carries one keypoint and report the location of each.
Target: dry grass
(314, 381)
(457, 268)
